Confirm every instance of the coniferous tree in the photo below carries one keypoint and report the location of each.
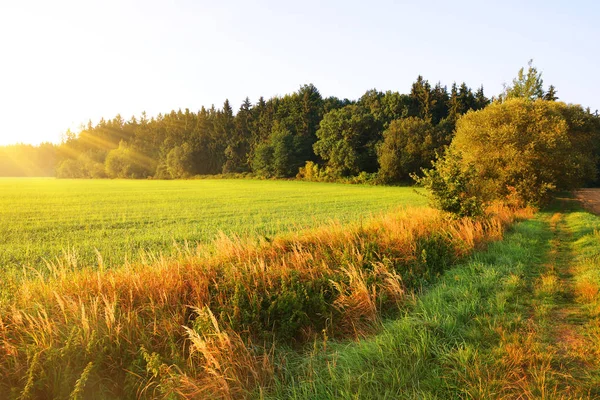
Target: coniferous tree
(466, 99)
(480, 100)
(274, 137)
(439, 103)
(421, 99)
(238, 141)
(550, 95)
(454, 109)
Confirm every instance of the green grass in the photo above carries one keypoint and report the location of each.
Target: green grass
(40, 219)
(430, 351)
(520, 320)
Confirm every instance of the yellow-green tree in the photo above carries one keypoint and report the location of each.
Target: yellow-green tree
(521, 151)
(527, 85)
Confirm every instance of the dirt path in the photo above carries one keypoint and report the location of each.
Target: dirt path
(590, 198)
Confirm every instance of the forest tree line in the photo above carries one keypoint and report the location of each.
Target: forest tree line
(382, 135)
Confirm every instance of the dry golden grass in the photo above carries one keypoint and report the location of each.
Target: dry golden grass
(587, 290)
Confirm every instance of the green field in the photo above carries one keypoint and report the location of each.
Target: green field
(40, 219)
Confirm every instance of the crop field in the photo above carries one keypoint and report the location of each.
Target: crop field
(42, 219)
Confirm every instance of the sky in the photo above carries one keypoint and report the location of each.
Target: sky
(65, 62)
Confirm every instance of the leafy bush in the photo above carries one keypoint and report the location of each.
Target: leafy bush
(70, 168)
(83, 166)
(518, 151)
(126, 162)
(453, 188)
(180, 162)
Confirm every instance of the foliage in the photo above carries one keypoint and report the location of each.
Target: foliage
(70, 168)
(283, 152)
(532, 148)
(347, 139)
(84, 166)
(550, 95)
(28, 160)
(180, 161)
(408, 146)
(453, 187)
(528, 85)
(517, 151)
(262, 162)
(125, 162)
(312, 172)
(275, 157)
(271, 138)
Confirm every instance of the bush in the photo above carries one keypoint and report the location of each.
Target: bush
(126, 162)
(314, 173)
(69, 169)
(262, 162)
(83, 166)
(276, 157)
(454, 188)
(180, 162)
(518, 151)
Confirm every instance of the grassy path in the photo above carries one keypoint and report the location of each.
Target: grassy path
(563, 352)
(519, 321)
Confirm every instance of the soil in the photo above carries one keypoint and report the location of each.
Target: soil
(590, 198)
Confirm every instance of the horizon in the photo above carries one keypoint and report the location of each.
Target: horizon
(77, 62)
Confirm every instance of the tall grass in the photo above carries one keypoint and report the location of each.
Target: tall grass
(445, 345)
(204, 324)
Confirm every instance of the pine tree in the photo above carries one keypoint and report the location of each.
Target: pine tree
(421, 101)
(480, 100)
(453, 104)
(238, 143)
(550, 95)
(439, 103)
(466, 99)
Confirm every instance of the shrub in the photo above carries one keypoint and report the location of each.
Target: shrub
(180, 162)
(126, 162)
(518, 151)
(70, 168)
(453, 187)
(262, 162)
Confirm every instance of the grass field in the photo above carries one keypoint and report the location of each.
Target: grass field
(377, 309)
(213, 324)
(41, 219)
